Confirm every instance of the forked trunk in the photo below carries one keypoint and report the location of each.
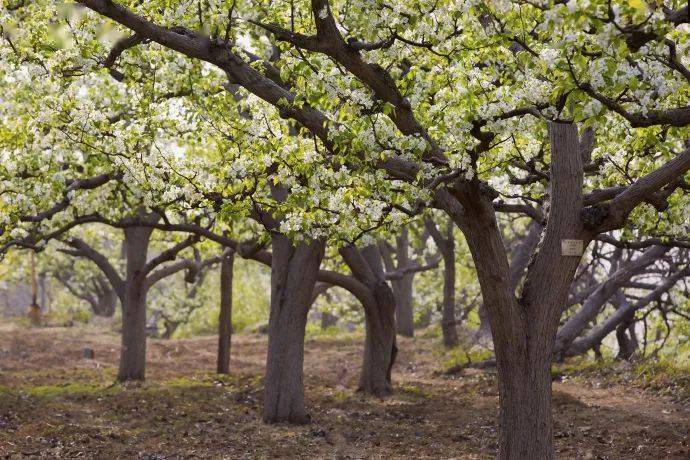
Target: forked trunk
(133, 351)
(524, 329)
(225, 316)
(293, 275)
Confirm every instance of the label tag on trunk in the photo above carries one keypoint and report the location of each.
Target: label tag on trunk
(572, 248)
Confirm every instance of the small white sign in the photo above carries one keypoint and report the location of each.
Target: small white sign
(572, 248)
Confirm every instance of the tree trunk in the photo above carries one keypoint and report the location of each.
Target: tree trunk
(523, 329)
(483, 334)
(380, 347)
(293, 275)
(448, 321)
(402, 288)
(526, 424)
(106, 301)
(404, 308)
(328, 320)
(225, 316)
(133, 351)
(627, 345)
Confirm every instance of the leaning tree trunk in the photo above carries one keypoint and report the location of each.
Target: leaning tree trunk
(133, 351)
(293, 275)
(225, 316)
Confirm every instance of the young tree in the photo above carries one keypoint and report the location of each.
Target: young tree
(225, 315)
(446, 246)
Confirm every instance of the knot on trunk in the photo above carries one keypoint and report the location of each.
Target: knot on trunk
(593, 216)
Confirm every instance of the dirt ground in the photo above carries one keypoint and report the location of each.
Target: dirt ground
(55, 403)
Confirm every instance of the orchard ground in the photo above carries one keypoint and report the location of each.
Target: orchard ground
(54, 402)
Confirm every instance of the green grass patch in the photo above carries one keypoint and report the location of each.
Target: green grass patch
(661, 376)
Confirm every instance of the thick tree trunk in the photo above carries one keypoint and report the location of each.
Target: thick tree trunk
(133, 351)
(380, 347)
(294, 270)
(523, 329)
(526, 424)
(225, 316)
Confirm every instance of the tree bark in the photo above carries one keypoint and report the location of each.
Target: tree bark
(448, 321)
(380, 347)
(294, 270)
(523, 329)
(404, 306)
(525, 407)
(225, 315)
(133, 351)
(403, 285)
(446, 246)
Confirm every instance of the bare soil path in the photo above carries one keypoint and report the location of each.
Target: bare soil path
(55, 403)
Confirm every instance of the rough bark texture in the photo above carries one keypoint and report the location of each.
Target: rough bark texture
(133, 352)
(225, 315)
(523, 329)
(525, 388)
(294, 270)
(380, 347)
